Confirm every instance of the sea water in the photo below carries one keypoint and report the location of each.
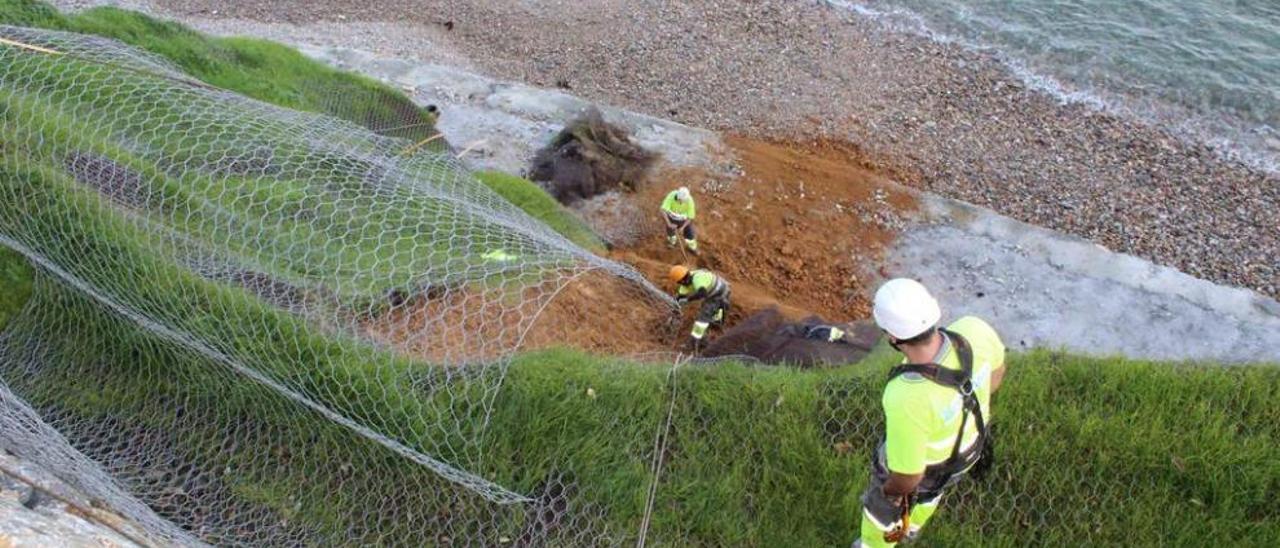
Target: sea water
(1208, 70)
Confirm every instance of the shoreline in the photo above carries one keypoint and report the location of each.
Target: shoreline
(1228, 137)
(938, 117)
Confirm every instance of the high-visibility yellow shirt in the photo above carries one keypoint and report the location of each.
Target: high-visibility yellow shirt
(922, 418)
(684, 209)
(702, 284)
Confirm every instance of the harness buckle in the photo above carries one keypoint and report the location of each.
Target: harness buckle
(966, 388)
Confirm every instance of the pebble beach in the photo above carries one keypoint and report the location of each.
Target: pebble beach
(939, 117)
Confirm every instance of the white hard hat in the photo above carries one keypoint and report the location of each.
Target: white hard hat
(682, 194)
(904, 308)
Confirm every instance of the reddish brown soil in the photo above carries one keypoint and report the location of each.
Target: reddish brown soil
(596, 312)
(604, 314)
(795, 232)
(797, 228)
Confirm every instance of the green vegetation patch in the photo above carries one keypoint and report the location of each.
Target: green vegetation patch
(531, 198)
(1088, 448)
(15, 284)
(261, 69)
(1104, 450)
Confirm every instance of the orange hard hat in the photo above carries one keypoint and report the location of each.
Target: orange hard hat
(677, 273)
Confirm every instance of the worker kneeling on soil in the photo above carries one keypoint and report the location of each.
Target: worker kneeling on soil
(678, 211)
(692, 285)
(937, 406)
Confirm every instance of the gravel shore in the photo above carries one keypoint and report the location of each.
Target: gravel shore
(935, 116)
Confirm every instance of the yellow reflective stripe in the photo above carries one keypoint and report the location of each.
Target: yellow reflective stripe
(877, 523)
(699, 329)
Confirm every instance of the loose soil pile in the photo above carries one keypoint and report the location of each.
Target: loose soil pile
(590, 157)
(596, 312)
(791, 235)
(797, 228)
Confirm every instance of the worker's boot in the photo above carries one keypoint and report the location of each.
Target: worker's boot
(671, 240)
(692, 245)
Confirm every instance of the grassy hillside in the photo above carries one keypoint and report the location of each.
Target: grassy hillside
(273, 73)
(260, 69)
(1093, 451)
(536, 202)
(1113, 451)
(15, 284)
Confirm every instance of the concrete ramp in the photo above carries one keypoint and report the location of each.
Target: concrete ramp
(1041, 288)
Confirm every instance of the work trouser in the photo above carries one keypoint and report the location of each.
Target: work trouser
(714, 310)
(879, 514)
(674, 224)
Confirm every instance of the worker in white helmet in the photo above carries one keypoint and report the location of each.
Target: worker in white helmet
(937, 409)
(678, 212)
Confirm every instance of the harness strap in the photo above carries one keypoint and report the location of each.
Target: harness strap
(959, 380)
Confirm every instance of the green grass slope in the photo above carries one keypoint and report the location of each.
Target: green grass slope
(260, 69)
(536, 202)
(1110, 451)
(15, 284)
(277, 74)
(1114, 451)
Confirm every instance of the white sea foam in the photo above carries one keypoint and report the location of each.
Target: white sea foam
(1257, 146)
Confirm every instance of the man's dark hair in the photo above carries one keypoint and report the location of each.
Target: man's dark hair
(919, 338)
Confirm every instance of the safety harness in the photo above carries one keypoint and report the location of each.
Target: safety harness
(961, 381)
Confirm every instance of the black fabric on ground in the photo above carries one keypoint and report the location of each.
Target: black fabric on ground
(768, 337)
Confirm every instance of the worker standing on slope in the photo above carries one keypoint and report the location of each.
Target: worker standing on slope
(692, 285)
(936, 409)
(678, 212)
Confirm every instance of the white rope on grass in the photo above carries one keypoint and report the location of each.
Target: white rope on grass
(659, 450)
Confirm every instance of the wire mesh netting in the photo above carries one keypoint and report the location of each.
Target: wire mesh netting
(234, 300)
(256, 326)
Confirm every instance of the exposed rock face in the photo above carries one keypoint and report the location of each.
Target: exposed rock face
(33, 517)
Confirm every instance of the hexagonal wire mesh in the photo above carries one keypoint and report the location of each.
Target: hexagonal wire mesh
(233, 297)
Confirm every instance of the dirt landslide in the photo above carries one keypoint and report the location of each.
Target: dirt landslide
(794, 230)
(792, 235)
(596, 312)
